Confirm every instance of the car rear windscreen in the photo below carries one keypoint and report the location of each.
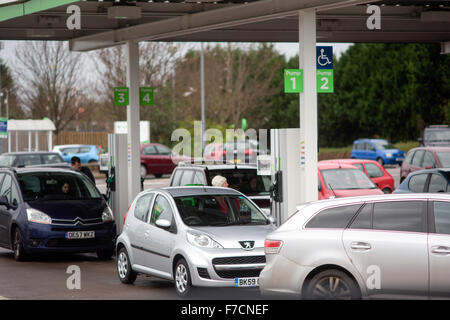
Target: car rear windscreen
(244, 180)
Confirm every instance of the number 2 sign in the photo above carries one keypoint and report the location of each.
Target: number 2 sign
(325, 81)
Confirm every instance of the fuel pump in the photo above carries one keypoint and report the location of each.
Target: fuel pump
(286, 169)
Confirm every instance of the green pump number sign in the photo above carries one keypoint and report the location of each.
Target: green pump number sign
(121, 96)
(146, 96)
(293, 80)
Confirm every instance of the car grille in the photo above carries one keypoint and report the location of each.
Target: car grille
(240, 260)
(78, 228)
(76, 221)
(252, 271)
(74, 243)
(238, 274)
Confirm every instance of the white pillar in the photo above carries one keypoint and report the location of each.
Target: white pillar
(133, 140)
(36, 141)
(9, 141)
(29, 141)
(49, 140)
(16, 134)
(308, 104)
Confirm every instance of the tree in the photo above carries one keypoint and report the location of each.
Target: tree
(50, 81)
(238, 83)
(8, 88)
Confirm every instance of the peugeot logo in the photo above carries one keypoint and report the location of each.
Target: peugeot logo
(247, 245)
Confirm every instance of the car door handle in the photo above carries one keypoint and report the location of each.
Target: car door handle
(440, 250)
(147, 234)
(360, 246)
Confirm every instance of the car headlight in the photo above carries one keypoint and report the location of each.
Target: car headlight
(37, 216)
(202, 240)
(389, 155)
(107, 215)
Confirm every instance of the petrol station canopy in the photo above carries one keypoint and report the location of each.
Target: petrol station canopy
(227, 20)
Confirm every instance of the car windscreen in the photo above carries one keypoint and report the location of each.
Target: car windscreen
(346, 179)
(437, 135)
(444, 159)
(218, 210)
(56, 186)
(383, 145)
(7, 160)
(244, 180)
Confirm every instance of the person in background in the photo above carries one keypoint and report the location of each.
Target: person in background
(219, 181)
(65, 188)
(76, 164)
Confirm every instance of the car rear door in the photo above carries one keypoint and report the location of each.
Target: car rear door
(4, 239)
(416, 163)
(159, 242)
(138, 228)
(439, 249)
(387, 243)
(149, 156)
(165, 156)
(371, 151)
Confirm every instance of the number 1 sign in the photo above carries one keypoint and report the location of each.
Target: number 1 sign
(293, 80)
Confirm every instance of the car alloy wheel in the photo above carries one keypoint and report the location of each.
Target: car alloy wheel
(182, 278)
(19, 254)
(332, 285)
(126, 274)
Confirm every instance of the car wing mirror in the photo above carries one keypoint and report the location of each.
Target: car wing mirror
(163, 223)
(4, 202)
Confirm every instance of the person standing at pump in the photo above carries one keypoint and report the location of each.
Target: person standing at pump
(76, 164)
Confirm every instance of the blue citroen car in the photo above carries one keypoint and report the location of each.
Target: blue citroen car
(44, 210)
(430, 180)
(377, 149)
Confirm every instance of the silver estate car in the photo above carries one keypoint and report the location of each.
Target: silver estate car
(375, 247)
(196, 236)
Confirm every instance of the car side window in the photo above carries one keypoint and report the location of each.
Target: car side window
(370, 147)
(373, 171)
(51, 158)
(149, 151)
(338, 217)
(428, 160)
(142, 207)
(85, 149)
(161, 210)
(359, 166)
(163, 150)
(437, 183)
(442, 217)
(177, 177)
(417, 182)
(187, 177)
(364, 218)
(5, 191)
(29, 160)
(417, 160)
(409, 157)
(408, 216)
(198, 178)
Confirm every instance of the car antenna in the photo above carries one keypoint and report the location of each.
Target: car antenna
(331, 188)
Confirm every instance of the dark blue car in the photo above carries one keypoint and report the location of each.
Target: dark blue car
(45, 210)
(377, 149)
(430, 180)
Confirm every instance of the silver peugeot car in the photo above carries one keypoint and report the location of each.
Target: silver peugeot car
(375, 247)
(196, 236)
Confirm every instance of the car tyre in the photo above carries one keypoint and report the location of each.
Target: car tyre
(19, 252)
(143, 171)
(332, 285)
(158, 175)
(124, 270)
(387, 190)
(380, 161)
(183, 284)
(105, 254)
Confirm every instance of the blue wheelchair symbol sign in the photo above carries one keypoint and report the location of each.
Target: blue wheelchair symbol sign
(324, 57)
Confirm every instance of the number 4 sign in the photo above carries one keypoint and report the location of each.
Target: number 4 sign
(145, 96)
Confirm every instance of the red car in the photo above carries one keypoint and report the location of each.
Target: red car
(373, 170)
(214, 151)
(425, 158)
(158, 159)
(343, 180)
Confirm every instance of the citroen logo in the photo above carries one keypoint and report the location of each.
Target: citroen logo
(247, 245)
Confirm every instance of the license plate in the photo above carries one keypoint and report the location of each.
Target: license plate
(246, 282)
(400, 159)
(80, 235)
